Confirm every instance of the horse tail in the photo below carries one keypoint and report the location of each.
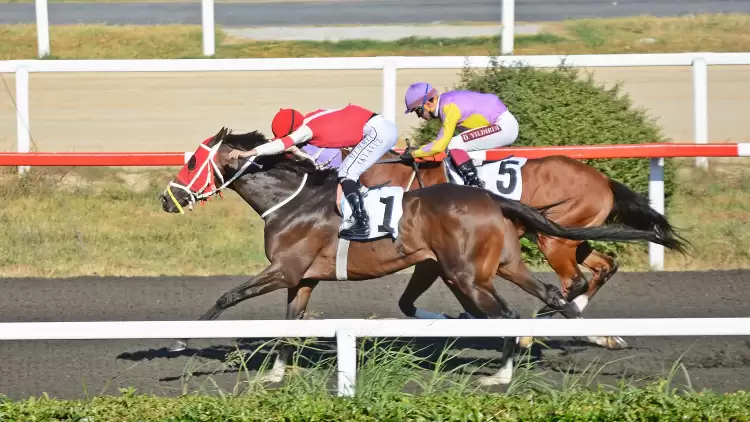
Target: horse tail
(634, 210)
(536, 222)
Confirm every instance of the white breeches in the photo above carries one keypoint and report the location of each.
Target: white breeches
(380, 135)
(501, 134)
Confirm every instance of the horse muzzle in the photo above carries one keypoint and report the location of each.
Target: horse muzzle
(172, 203)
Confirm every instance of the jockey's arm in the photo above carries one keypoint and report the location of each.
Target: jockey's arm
(302, 154)
(302, 134)
(452, 115)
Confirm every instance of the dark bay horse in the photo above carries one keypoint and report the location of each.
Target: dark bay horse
(461, 234)
(593, 199)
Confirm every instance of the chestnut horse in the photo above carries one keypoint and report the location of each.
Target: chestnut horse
(462, 234)
(593, 199)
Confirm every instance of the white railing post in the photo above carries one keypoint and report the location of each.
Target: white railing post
(209, 27)
(700, 107)
(656, 198)
(346, 349)
(390, 70)
(42, 27)
(509, 30)
(23, 126)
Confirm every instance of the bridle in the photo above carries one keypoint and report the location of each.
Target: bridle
(210, 183)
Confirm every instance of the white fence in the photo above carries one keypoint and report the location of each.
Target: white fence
(346, 331)
(208, 24)
(388, 64)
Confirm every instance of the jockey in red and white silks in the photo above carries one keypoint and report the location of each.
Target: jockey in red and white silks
(369, 133)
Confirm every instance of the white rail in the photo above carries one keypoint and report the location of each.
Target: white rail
(208, 24)
(389, 64)
(347, 330)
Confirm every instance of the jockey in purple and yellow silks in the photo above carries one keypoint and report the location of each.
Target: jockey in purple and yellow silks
(472, 121)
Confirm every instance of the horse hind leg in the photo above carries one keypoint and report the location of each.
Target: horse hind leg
(564, 260)
(518, 273)
(505, 373)
(561, 256)
(603, 267)
(424, 276)
(479, 298)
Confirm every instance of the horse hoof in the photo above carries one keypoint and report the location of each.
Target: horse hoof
(276, 374)
(525, 342)
(178, 346)
(616, 343)
(494, 380)
(611, 343)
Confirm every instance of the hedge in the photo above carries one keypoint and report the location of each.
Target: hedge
(651, 404)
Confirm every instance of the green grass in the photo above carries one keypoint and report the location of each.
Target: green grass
(100, 221)
(393, 384)
(719, 33)
(90, 221)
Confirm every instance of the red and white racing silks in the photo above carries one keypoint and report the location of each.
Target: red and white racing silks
(333, 128)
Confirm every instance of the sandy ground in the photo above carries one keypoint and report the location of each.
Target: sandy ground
(175, 111)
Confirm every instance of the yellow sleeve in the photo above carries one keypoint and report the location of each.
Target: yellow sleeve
(451, 117)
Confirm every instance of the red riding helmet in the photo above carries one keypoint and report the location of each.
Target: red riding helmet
(286, 121)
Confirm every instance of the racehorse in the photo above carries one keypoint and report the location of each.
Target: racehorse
(594, 199)
(462, 234)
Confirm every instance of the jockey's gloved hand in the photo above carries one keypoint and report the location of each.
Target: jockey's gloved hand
(407, 155)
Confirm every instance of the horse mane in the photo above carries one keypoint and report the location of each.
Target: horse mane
(282, 161)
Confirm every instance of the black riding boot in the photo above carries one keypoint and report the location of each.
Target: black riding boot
(470, 174)
(360, 227)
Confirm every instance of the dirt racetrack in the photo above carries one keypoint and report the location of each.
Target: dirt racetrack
(175, 111)
(62, 368)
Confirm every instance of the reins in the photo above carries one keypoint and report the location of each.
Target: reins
(194, 198)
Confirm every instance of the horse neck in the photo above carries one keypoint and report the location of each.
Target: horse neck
(267, 189)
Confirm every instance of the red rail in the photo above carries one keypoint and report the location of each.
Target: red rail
(578, 151)
(92, 159)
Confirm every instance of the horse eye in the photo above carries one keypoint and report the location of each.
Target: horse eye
(191, 163)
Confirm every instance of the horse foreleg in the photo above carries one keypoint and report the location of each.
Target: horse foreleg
(424, 276)
(297, 299)
(272, 278)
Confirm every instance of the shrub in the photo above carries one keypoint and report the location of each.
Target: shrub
(559, 107)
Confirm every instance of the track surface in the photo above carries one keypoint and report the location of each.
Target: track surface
(61, 367)
(357, 11)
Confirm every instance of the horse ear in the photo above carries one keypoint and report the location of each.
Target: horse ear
(216, 138)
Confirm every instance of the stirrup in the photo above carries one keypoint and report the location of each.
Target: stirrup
(475, 181)
(356, 231)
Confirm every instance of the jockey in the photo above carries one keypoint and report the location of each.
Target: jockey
(371, 135)
(472, 121)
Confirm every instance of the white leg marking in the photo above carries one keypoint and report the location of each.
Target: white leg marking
(276, 374)
(581, 302)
